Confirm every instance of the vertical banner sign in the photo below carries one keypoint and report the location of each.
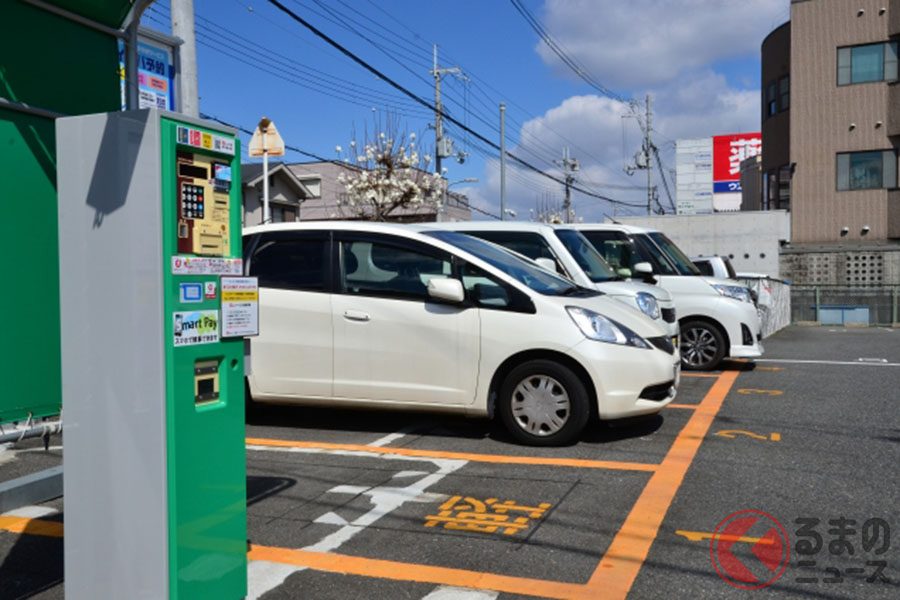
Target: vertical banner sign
(156, 76)
(240, 306)
(728, 152)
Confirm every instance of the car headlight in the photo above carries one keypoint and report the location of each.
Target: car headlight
(597, 327)
(735, 291)
(647, 303)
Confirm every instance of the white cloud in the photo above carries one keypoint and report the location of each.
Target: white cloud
(592, 127)
(650, 42)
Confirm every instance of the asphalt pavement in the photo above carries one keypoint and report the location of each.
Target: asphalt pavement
(778, 474)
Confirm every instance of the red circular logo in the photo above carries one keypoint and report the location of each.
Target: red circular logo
(762, 549)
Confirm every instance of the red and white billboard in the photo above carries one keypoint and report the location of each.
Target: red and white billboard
(728, 152)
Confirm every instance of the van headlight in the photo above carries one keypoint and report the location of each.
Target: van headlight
(735, 291)
(597, 327)
(647, 303)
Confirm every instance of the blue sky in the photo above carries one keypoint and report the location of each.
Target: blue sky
(698, 60)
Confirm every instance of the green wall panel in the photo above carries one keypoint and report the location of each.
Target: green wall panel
(47, 62)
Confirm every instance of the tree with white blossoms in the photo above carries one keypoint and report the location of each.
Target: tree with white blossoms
(389, 177)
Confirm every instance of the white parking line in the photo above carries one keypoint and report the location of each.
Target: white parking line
(263, 576)
(392, 437)
(454, 593)
(828, 362)
(31, 512)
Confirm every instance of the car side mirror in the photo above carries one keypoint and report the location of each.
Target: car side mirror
(446, 289)
(645, 271)
(546, 263)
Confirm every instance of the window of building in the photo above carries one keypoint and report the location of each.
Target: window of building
(867, 170)
(784, 187)
(784, 93)
(862, 64)
(771, 103)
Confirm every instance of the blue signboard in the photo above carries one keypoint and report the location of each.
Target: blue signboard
(726, 187)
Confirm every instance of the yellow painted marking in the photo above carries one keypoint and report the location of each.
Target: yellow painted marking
(617, 571)
(732, 433)
(699, 536)
(475, 515)
(710, 375)
(31, 526)
(759, 368)
(579, 463)
(690, 406)
(761, 392)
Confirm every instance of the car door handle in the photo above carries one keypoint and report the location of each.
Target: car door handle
(356, 315)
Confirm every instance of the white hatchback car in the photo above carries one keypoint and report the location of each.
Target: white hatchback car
(378, 315)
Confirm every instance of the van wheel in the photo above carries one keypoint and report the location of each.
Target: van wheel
(702, 346)
(543, 403)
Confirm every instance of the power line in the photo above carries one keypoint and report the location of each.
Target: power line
(427, 104)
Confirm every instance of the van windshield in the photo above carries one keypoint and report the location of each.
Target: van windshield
(587, 257)
(674, 254)
(535, 277)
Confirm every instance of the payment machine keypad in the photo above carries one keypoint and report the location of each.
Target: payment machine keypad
(192, 201)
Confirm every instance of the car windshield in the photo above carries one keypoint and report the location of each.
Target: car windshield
(587, 257)
(536, 278)
(674, 254)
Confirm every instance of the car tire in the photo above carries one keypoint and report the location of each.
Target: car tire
(543, 403)
(702, 346)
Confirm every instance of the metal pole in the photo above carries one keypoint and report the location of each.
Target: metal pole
(438, 126)
(647, 155)
(183, 27)
(818, 302)
(502, 161)
(894, 320)
(567, 203)
(267, 216)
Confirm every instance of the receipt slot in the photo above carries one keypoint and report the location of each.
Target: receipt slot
(153, 357)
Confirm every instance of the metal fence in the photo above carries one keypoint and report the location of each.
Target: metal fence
(842, 304)
(774, 302)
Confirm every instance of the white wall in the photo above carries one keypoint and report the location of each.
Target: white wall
(751, 239)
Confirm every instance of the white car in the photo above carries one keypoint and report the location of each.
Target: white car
(379, 315)
(564, 250)
(718, 317)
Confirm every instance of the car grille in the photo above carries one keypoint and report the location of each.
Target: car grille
(664, 343)
(657, 393)
(668, 315)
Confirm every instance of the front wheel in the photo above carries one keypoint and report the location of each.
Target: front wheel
(702, 346)
(543, 403)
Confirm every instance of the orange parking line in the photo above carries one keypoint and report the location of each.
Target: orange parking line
(626, 554)
(691, 406)
(716, 375)
(487, 458)
(31, 526)
(400, 571)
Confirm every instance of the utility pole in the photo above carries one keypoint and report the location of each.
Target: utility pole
(502, 161)
(183, 27)
(647, 149)
(569, 165)
(442, 148)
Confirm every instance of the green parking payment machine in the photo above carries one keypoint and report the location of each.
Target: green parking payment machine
(154, 315)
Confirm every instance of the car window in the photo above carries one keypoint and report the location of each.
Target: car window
(527, 243)
(298, 263)
(383, 269)
(705, 267)
(674, 254)
(483, 289)
(622, 252)
(586, 256)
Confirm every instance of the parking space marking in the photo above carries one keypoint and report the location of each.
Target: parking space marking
(579, 463)
(748, 391)
(710, 375)
(690, 406)
(400, 571)
(699, 536)
(827, 362)
(732, 434)
(31, 526)
(455, 593)
(623, 560)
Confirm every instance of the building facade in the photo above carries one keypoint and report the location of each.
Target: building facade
(831, 121)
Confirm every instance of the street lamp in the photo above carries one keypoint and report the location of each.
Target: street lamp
(440, 214)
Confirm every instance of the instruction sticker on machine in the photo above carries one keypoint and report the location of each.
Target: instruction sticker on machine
(240, 306)
(196, 327)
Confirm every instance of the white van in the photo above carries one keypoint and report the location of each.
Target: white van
(570, 254)
(718, 316)
(379, 315)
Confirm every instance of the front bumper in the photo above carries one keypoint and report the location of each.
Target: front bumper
(629, 382)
